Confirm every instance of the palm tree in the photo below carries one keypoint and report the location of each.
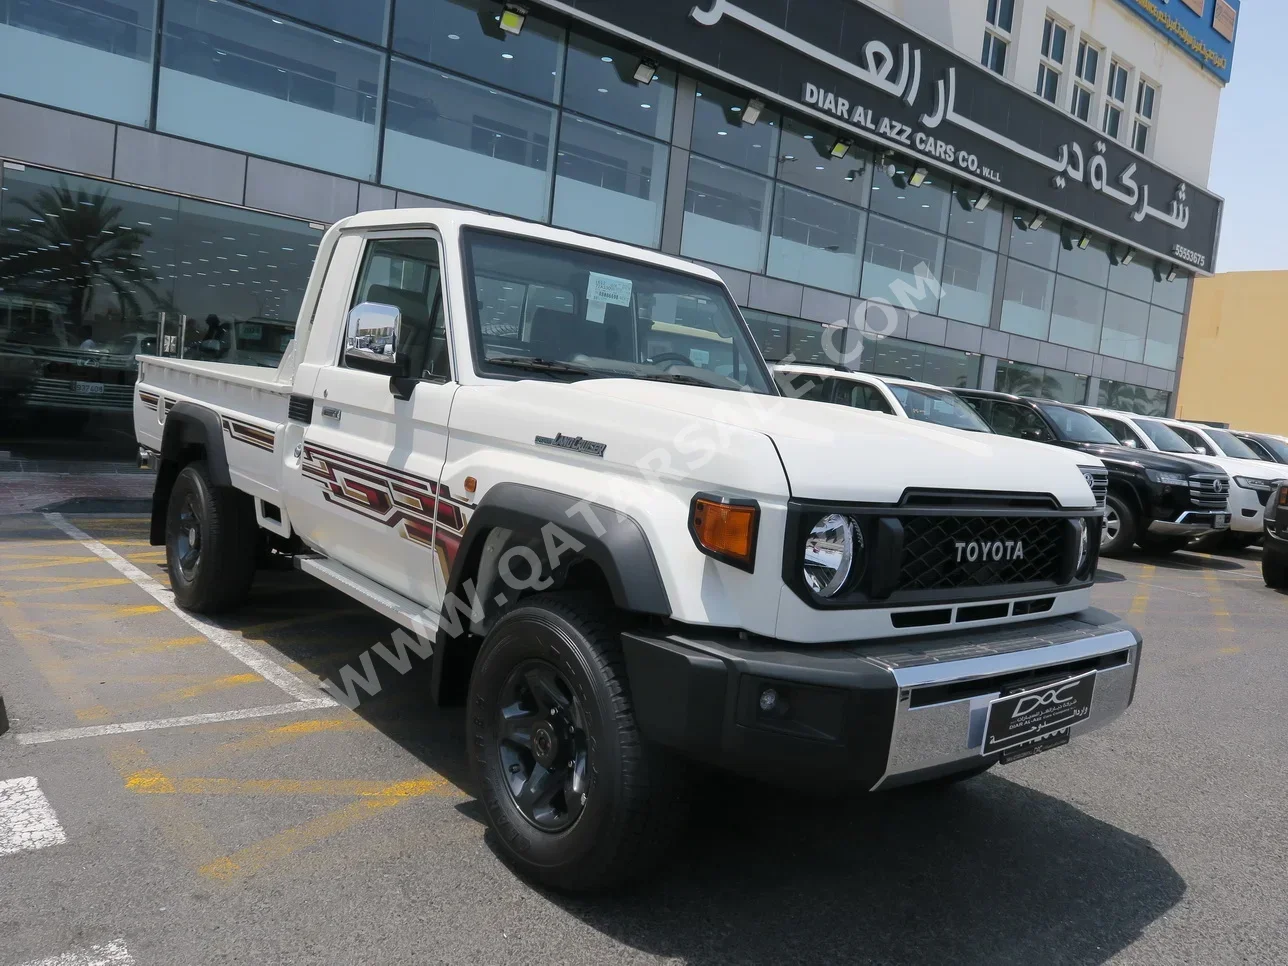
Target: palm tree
(64, 244)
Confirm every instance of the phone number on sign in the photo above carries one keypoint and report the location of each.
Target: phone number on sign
(1189, 256)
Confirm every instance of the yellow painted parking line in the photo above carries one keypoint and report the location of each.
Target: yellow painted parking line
(70, 587)
(137, 610)
(131, 649)
(1140, 603)
(101, 713)
(45, 562)
(275, 848)
(1216, 603)
(154, 782)
(272, 738)
(179, 825)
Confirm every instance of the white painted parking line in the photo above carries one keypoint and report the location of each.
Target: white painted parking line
(108, 954)
(27, 820)
(94, 731)
(219, 636)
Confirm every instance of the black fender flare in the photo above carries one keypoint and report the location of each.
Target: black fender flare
(187, 425)
(610, 539)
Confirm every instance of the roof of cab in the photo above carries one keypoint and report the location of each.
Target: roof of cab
(462, 218)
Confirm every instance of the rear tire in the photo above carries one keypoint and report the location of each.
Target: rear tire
(1274, 570)
(1119, 532)
(549, 691)
(211, 542)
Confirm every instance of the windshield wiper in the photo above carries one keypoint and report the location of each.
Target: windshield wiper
(679, 379)
(543, 365)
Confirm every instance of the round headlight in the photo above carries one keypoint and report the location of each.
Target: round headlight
(833, 554)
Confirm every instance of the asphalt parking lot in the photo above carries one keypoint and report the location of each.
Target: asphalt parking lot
(185, 794)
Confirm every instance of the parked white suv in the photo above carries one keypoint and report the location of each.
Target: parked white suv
(1252, 481)
(563, 463)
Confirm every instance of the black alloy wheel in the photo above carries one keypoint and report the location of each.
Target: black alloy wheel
(188, 538)
(543, 746)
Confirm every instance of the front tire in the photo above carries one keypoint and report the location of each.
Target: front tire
(1119, 531)
(576, 797)
(211, 542)
(1274, 570)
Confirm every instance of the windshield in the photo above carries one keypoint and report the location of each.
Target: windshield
(1164, 437)
(1232, 446)
(1077, 426)
(1276, 446)
(941, 408)
(564, 312)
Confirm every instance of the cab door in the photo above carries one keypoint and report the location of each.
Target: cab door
(371, 460)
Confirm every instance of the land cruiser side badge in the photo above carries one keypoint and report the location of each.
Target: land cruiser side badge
(574, 443)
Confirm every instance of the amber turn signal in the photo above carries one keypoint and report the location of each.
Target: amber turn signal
(725, 530)
(1283, 496)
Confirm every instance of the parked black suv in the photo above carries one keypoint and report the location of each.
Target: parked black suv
(1274, 549)
(1156, 501)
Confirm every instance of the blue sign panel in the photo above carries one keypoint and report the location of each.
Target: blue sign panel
(1204, 29)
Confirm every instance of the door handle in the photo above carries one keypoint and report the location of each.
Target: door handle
(330, 412)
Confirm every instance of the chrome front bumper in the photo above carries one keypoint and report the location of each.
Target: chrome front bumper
(1191, 523)
(934, 737)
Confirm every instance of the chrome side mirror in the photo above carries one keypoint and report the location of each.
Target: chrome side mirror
(373, 336)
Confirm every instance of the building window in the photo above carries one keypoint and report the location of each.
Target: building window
(1051, 64)
(464, 36)
(450, 138)
(1077, 313)
(816, 241)
(938, 366)
(1164, 341)
(1146, 103)
(807, 343)
(726, 215)
(1036, 382)
(968, 284)
(1085, 76)
(997, 35)
(720, 132)
(609, 182)
(902, 264)
(1116, 101)
(805, 159)
(246, 80)
(1126, 326)
(1126, 398)
(365, 21)
(82, 55)
(601, 83)
(1027, 299)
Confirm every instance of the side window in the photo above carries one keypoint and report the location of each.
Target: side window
(858, 395)
(1119, 430)
(406, 273)
(1194, 439)
(1020, 422)
(799, 385)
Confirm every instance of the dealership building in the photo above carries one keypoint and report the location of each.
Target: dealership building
(978, 193)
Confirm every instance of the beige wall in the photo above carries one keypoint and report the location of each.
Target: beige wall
(1236, 352)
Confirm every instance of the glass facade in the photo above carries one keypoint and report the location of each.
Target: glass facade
(558, 125)
(94, 274)
(1133, 399)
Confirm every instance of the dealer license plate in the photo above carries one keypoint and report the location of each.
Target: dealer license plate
(1039, 719)
(88, 388)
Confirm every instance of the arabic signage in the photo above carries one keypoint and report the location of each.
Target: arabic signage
(882, 82)
(1204, 29)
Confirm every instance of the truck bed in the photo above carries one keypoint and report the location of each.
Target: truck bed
(249, 402)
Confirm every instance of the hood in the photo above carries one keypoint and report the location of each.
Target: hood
(840, 454)
(1127, 457)
(1256, 469)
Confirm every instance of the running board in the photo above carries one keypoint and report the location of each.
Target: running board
(388, 603)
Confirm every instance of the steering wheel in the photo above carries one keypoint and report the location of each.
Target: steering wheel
(672, 357)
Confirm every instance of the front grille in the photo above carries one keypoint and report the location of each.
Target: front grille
(1210, 492)
(1098, 480)
(950, 553)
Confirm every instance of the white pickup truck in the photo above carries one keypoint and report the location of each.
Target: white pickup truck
(563, 463)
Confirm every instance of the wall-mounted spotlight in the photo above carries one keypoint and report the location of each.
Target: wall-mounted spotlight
(1036, 222)
(918, 177)
(646, 71)
(1084, 241)
(751, 114)
(840, 149)
(1129, 257)
(983, 201)
(888, 165)
(512, 19)
(1171, 276)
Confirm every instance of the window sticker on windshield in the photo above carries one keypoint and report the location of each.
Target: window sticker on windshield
(609, 289)
(250, 331)
(699, 357)
(595, 310)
